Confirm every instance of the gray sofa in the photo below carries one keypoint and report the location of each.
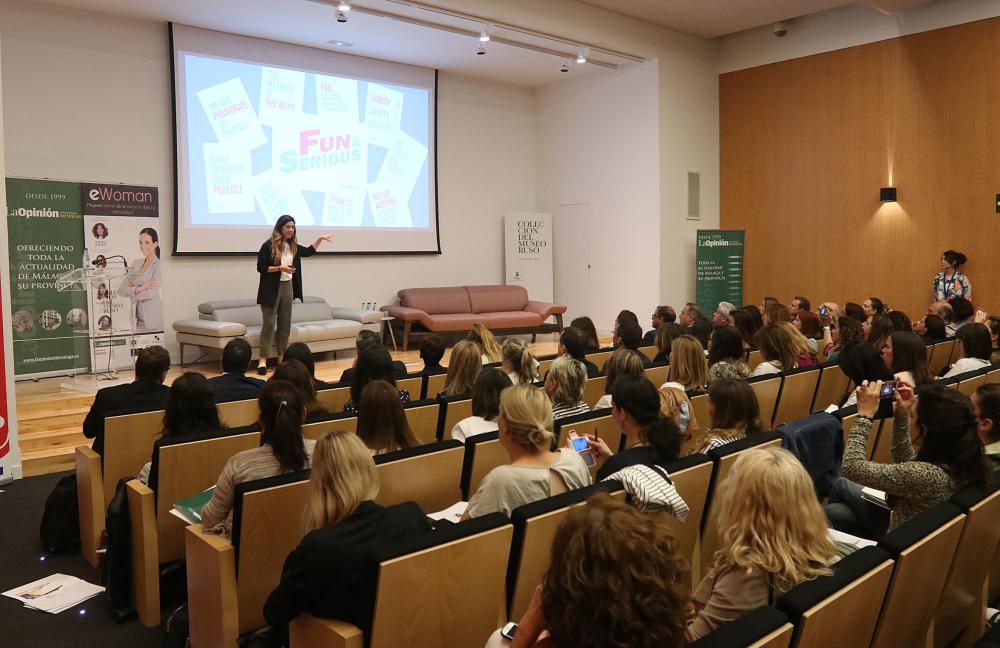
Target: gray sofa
(313, 321)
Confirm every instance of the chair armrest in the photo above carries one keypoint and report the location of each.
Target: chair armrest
(306, 631)
(90, 500)
(145, 552)
(213, 608)
(356, 315)
(545, 308)
(404, 313)
(210, 328)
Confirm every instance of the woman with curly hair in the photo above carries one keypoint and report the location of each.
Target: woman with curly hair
(610, 553)
(774, 536)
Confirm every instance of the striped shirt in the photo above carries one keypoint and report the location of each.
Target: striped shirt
(562, 410)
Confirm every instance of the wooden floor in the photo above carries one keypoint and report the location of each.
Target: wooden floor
(50, 417)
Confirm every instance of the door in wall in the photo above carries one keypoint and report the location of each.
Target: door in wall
(571, 236)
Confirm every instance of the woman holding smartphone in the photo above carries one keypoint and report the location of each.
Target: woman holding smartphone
(279, 263)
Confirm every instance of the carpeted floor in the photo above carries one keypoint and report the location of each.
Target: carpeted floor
(21, 561)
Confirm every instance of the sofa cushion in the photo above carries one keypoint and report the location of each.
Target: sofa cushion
(210, 327)
(495, 299)
(207, 308)
(434, 301)
(512, 319)
(249, 315)
(452, 322)
(310, 312)
(327, 330)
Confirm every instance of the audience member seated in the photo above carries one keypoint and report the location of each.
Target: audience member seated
(300, 351)
(776, 351)
(723, 315)
(331, 573)
(190, 412)
(974, 349)
(629, 335)
(775, 312)
(873, 306)
(797, 305)
(662, 315)
(839, 335)
(805, 348)
(282, 450)
(573, 342)
(855, 310)
(650, 437)
(943, 310)
(518, 363)
(993, 324)
(373, 364)
(746, 326)
(688, 368)
(382, 423)
(900, 321)
(464, 365)
(689, 314)
(860, 362)
(234, 384)
(807, 323)
(758, 316)
(586, 325)
(774, 536)
(725, 355)
(906, 356)
(734, 413)
(664, 339)
(564, 385)
(296, 373)
(485, 405)
(431, 352)
(534, 473)
(631, 595)
(963, 312)
(146, 393)
(986, 406)
(701, 330)
(623, 362)
(936, 452)
(832, 310)
(369, 340)
(489, 348)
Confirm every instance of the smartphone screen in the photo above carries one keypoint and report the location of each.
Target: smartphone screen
(823, 310)
(888, 389)
(582, 447)
(508, 631)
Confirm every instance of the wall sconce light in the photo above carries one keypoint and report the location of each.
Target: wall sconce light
(887, 194)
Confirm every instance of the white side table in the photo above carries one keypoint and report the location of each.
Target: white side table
(387, 322)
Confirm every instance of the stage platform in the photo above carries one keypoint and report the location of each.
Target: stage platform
(50, 411)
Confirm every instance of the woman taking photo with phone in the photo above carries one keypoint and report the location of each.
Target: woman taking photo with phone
(279, 263)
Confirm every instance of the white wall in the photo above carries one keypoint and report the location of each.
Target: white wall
(844, 27)
(595, 148)
(90, 100)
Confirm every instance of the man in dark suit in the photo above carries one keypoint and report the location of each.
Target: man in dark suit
(629, 335)
(662, 315)
(431, 352)
(573, 342)
(146, 394)
(234, 384)
(368, 340)
(300, 351)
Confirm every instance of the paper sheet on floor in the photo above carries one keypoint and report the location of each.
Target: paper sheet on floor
(54, 593)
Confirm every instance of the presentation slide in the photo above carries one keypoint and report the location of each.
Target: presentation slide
(344, 144)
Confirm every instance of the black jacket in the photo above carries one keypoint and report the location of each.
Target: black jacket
(267, 291)
(398, 370)
(332, 574)
(234, 387)
(132, 398)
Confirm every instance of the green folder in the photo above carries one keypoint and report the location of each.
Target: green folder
(189, 508)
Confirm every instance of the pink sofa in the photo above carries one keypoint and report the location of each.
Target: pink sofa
(504, 309)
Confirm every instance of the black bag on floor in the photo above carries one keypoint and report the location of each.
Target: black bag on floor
(175, 630)
(116, 569)
(60, 530)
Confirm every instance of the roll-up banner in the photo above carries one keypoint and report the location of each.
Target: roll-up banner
(719, 268)
(528, 253)
(10, 456)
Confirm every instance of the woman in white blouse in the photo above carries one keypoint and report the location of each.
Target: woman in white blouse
(485, 405)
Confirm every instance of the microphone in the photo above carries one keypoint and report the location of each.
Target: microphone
(108, 258)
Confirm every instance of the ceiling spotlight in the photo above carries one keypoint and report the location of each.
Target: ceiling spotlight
(484, 35)
(481, 49)
(565, 66)
(581, 55)
(341, 17)
(344, 5)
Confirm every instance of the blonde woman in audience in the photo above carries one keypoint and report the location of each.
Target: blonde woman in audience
(665, 336)
(282, 450)
(777, 350)
(564, 385)
(775, 312)
(534, 472)
(463, 367)
(734, 411)
(623, 362)
(774, 536)
(488, 345)
(331, 574)
(382, 423)
(688, 366)
(805, 349)
(518, 363)
(485, 405)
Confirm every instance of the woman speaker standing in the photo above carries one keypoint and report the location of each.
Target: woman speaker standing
(279, 263)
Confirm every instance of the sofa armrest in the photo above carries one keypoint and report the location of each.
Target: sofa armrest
(90, 500)
(145, 553)
(545, 309)
(213, 606)
(306, 631)
(210, 328)
(356, 315)
(405, 313)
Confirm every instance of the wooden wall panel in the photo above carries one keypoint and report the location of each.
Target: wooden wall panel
(806, 144)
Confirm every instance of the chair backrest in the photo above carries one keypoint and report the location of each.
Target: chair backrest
(764, 627)
(692, 477)
(833, 383)
(599, 423)
(843, 608)
(184, 469)
(797, 391)
(544, 366)
(923, 549)
(766, 389)
(483, 453)
(969, 385)
(699, 407)
(657, 375)
(754, 358)
(428, 475)
(423, 419)
(315, 430)
(238, 413)
(599, 358)
(847, 416)
(434, 385)
(962, 601)
(649, 351)
(941, 356)
(267, 525)
(444, 588)
(334, 399)
(455, 409)
(593, 390)
(412, 385)
(128, 445)
(992, 374)
(880, 440)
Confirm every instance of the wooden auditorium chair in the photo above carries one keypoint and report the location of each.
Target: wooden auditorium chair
(428, 474)
(422, 415)
(798, 387)
(766, 389)
(833, 385)
(593, 390)
(453, 410)
(483, 453)
(764, 627)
